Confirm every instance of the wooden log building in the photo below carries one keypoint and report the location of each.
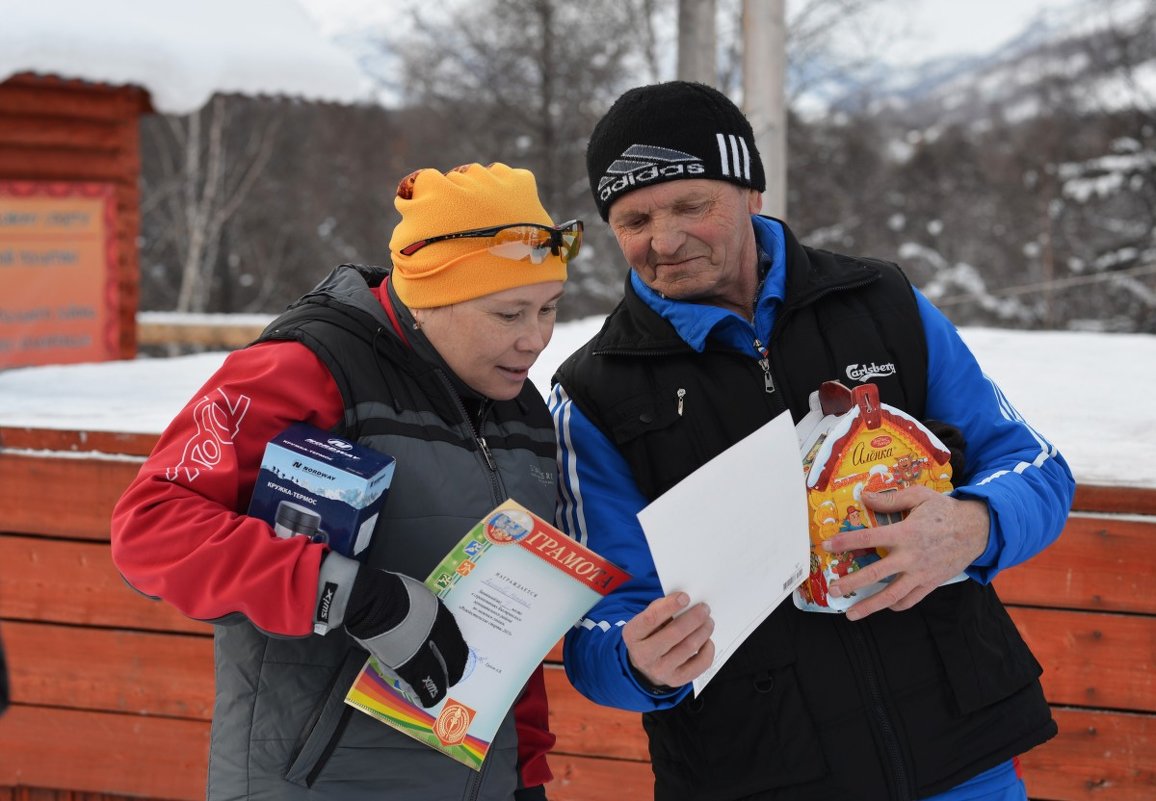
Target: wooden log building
(54, 129)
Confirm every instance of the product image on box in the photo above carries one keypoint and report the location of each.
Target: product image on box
(318, 485)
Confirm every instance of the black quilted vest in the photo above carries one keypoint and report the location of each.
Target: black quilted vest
(898, 706)
(281, 730)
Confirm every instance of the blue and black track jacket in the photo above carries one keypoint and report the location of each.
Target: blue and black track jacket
(662, 388)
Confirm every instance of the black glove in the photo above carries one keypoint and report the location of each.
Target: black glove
(407, 628)
(952, 437)
(535, 793)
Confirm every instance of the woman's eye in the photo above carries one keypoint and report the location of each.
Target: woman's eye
(546, 311)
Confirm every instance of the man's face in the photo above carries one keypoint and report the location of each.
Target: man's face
(692, 240)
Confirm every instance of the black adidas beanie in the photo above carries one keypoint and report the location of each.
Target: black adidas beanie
(667, 132)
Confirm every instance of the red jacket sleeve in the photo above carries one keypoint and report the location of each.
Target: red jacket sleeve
(180, 532)
(532, 721)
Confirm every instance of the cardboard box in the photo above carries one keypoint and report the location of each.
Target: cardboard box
(315, 484)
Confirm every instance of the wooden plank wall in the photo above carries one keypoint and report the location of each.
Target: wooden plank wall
(113, 692)
(60, 130)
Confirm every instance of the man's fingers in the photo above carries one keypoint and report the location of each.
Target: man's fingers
(913, 597)
(693, 667)
(670, 650)
(906, 498)
(664, 638)
(883, 599)
(655, 616)
(685, 648)
(900, 595)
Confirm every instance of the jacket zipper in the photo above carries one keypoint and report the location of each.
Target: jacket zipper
(474, 786)
(878, 709)
(882, 719)
(478, 779)
(765, 363)
(497, 490)
(786, 312)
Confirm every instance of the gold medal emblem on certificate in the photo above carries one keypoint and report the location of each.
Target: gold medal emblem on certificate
(453, 723)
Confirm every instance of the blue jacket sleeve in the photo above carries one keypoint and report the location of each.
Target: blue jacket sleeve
(1023, 478)
(598, 506)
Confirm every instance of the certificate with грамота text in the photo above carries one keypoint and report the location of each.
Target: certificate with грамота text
(515, 585)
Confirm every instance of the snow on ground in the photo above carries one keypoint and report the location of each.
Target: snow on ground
(1092, 394)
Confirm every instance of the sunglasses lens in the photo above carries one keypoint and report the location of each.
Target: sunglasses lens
(571, 236)
(522, 242)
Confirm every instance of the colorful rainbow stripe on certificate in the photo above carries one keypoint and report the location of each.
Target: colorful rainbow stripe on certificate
(382, 698)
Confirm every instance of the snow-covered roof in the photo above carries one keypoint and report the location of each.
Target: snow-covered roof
(181, 52)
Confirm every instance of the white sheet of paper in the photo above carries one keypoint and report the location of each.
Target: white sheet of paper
(733, 534)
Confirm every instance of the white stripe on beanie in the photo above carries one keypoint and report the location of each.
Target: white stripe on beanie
(722, 153)
(729, 146)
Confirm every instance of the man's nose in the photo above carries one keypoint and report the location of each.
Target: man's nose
(666, 236)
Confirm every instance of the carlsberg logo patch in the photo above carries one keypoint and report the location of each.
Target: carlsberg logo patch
(864, 372)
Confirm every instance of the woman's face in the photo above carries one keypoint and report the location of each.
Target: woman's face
(492, 341)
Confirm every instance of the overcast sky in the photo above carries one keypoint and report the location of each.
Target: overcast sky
(932, 27)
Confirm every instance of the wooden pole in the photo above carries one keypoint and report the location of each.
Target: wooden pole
(696, 41)
(764, 93)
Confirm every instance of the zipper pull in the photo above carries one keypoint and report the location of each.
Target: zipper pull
(681, 394)
(765, 363)
(485, 449)
(768, 382)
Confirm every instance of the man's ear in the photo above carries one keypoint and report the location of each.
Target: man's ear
(755, 201)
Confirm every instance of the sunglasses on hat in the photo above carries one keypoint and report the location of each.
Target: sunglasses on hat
(518, 241)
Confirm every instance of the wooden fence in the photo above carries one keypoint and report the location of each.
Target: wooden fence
(112, 693)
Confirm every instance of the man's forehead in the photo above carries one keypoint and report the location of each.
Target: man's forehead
(669, 194)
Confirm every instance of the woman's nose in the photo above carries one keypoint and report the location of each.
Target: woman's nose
(533, 338)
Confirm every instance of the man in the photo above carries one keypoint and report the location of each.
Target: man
(920, 691)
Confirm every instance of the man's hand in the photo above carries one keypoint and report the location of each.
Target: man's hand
(670, 651)
(939, 537)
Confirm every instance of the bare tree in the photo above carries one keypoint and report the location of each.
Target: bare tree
(523, 82)
(201, 186)
(1038, 219)
(249, 203)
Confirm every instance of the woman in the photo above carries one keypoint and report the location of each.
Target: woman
(426, 362)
